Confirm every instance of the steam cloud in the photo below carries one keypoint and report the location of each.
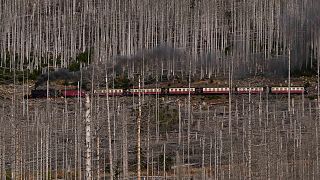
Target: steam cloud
(61, 74)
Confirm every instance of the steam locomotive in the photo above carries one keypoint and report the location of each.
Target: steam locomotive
(51, 93)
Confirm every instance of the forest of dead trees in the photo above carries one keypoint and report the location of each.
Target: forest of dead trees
(257, 136)
(161, 36)
(247, 137)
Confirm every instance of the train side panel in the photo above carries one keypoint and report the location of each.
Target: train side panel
(251, 90)
(285, 90)
(150, 91)
(222, 90)
(182, 91)
(73, 93)
(111, 92)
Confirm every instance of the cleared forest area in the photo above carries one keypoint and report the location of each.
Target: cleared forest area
(120, 43)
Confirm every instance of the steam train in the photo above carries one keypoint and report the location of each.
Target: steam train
(201, 91)
(169, 91)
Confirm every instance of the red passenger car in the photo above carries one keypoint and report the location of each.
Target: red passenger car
(152, 91)
(73, 93)
(182, 90)
(111, 92)
(285, 90)
(251, 90)
(223, 90)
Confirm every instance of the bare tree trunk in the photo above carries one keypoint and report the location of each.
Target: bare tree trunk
(124, 146)
(88, 140)
(109, 131)
(139, 137)
(249, 141)
(203, 159)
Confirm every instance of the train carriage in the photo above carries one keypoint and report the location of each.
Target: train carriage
(285, 90)
(150, 91)
(182, 90)
(220, 90)
(111, 92)
(73, 93)
(251, 90)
